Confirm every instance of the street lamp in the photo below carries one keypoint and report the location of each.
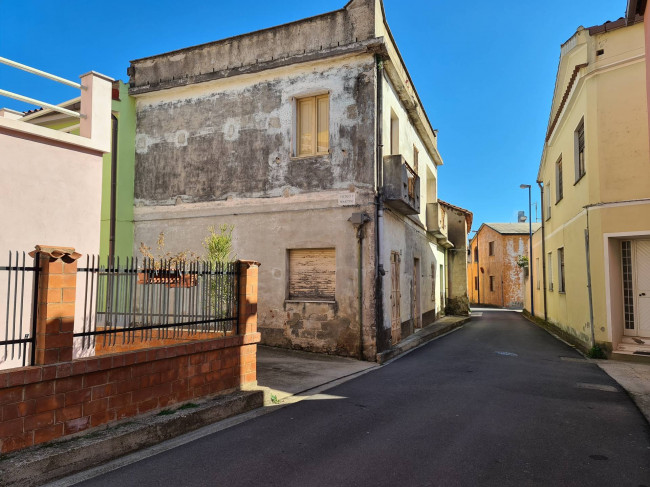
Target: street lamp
(530, 248)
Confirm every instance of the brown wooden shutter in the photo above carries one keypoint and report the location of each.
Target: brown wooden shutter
(312, 274)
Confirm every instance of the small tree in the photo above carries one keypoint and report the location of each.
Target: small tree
(218, 246)
(219, 252)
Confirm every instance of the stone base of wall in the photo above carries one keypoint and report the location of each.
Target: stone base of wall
(457, 306)
(581, 345)
(314, 327)
(42, 403)
(429, 317)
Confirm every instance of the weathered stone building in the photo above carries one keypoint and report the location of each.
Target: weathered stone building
(311, 140)
(494, 275)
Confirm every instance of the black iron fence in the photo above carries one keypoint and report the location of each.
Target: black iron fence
(18, 286)
(128, 301)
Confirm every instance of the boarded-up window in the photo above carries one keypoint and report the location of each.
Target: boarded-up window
(312, 274)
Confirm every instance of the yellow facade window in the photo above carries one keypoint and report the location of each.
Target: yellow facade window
(312, 125)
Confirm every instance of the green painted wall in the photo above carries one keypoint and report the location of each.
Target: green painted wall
(124, 110)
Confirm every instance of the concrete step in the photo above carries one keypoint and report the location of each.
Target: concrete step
(630, 356)
(636, 340)
(632, 347)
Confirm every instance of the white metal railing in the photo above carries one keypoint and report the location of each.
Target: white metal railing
(43, 74)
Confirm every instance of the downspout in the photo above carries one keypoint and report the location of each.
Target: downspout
(111, 238)
(379, 216)
(541, 202)
(360, 290)
(446, 281)
(591, 305)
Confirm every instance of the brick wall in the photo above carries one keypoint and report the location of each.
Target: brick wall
(42, 403)
(60, 396)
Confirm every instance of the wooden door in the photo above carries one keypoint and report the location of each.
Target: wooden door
(395, 296)
(417, 322)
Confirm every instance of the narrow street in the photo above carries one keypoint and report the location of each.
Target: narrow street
(498, 402)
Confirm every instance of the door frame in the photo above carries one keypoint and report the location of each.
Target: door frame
(613, 280)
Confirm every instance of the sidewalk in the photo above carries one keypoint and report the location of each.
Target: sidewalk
(286, 375)
(634, 378)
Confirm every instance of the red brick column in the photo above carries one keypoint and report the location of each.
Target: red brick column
(248, 296)
(56, 301)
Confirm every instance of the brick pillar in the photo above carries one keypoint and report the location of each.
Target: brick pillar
(248, 296)
(57, 285)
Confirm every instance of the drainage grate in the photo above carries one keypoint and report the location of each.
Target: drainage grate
(641, 353)
(509, 354)
(596, 387)
(574, 359)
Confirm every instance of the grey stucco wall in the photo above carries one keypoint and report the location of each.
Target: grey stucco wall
(217, 140)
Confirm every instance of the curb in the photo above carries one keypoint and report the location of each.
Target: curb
(424, 335)
(51, 461)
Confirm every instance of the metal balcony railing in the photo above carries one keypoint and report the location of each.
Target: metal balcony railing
(34, 101)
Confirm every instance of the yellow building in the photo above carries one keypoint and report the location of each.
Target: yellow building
(591, 258)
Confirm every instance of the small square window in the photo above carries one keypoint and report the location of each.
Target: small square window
(312, 125)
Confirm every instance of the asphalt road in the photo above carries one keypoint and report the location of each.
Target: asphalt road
(499, 402)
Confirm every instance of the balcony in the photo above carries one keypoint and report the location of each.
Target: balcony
(401, 186)
(437, 223)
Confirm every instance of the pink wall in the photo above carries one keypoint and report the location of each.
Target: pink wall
(50, 193)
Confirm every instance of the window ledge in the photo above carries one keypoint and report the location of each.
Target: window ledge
(309, 301)
(580, 179)
(311, 156)
(558, 201)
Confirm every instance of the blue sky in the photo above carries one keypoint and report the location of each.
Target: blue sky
(484, 71)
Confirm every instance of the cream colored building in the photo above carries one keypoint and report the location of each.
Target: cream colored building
(593, 251)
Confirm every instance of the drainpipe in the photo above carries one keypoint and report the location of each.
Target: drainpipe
(364, 218)
(111, 238)
(360, 290)
(541, 202)
(446, 281)
(379, 213)
(591, 306)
